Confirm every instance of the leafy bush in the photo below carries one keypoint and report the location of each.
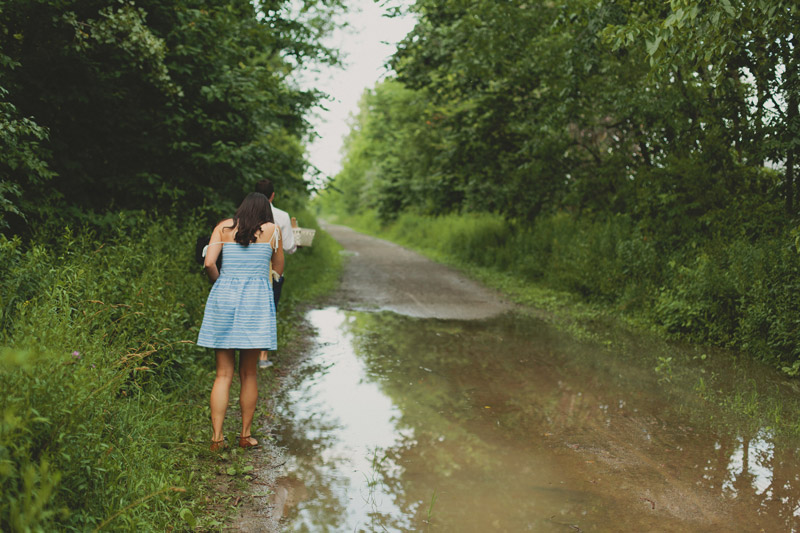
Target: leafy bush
(96, 364)
(742, 295)
(701, 302)
(766, 275)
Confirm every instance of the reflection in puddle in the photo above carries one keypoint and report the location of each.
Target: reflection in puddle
(346, 422)
(402, 424)
(288, 492)
(740, 466)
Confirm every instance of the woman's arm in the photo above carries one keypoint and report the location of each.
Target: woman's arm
(214, 249)
(277, 255)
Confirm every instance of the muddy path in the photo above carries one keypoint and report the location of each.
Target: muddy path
(380, 275)
(428, 403)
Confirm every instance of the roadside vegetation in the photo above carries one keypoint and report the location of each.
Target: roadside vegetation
(126, 131)
(604, 153)
(105, 418)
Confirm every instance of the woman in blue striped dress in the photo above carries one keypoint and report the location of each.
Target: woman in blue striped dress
(240, 310)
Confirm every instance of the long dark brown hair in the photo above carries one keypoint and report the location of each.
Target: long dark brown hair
(252, 213)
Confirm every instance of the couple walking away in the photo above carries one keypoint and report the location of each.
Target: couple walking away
(240, 312)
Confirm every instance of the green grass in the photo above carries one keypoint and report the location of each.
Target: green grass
(104, 421)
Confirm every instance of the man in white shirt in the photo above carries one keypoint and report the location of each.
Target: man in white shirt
(284, 222)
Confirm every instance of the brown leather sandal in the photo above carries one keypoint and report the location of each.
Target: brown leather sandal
(219, 445)
(244, 442)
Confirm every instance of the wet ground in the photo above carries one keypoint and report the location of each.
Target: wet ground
(477, 417)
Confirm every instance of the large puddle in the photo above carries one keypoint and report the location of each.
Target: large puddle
(404, 424)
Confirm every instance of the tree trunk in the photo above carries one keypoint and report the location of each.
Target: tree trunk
(793, 110)
(791, 120)
(790, 152)
(789, 182)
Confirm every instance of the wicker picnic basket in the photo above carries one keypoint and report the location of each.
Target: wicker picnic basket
(302, 236)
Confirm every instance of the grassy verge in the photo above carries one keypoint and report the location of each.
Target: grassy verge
(606, 282)
(104, 413)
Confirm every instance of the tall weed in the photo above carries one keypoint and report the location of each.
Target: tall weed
(97, 363)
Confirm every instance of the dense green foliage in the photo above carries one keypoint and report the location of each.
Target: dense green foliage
(94, 363)
(522, 108)
(637, 153)
(105, 394)
(119, 122)
(108, 105)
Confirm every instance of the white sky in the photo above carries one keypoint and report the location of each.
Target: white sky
(366, 44)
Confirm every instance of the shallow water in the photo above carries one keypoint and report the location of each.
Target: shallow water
(404, 424)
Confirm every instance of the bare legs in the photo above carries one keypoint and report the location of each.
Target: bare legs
(220, 392)
(248, 374)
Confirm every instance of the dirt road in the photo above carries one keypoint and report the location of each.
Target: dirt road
(385, 276)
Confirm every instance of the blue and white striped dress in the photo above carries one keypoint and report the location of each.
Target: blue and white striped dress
(240, 310)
